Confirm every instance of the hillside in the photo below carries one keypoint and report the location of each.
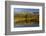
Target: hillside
(25, 17)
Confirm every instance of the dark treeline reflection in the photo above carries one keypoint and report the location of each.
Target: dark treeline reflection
(26, 18)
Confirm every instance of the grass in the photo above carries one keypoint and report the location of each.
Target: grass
(25, 18)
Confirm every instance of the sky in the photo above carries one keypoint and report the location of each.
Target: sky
(25, 9)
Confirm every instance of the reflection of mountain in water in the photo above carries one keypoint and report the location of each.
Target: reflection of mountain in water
(23, 18)
(26, 17)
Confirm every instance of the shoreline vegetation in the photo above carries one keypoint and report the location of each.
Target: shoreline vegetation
(23, 18)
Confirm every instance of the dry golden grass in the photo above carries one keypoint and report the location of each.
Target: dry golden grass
(26, 18)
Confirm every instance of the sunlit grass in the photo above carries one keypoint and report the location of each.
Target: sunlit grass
(24, 18)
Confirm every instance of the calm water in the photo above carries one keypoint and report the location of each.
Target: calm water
(31, 25)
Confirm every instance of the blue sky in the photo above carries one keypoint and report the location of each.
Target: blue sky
(25, 9)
